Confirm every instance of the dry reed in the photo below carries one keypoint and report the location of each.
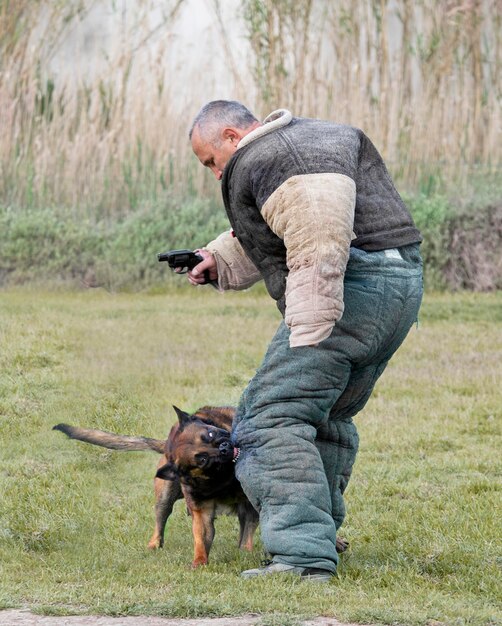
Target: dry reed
(423, 79)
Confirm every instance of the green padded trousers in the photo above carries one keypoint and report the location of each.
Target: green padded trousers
(294, 422)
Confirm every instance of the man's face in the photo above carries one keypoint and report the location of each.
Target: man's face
(212, 156)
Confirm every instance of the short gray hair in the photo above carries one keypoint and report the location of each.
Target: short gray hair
(218, 113)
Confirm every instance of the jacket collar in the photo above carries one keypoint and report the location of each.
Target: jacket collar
(276, 119)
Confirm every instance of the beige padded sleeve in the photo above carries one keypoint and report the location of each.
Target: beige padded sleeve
(314, 215)
(235, 269)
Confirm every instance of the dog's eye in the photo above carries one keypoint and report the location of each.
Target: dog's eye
(201, 459)
(209, 436)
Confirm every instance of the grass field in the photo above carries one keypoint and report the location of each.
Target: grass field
(423, 525)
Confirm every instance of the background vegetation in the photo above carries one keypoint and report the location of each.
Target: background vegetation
(97, 177)
(422, 522)
(96, 174)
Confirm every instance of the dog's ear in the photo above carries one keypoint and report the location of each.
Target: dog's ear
(167, 472)
(182, 416)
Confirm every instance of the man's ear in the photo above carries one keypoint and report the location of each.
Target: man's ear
(182, 416)
(232, 135)
(167, 472)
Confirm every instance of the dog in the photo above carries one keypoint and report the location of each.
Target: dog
(197, 464)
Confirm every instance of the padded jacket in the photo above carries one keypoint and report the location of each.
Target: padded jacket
(298, 193)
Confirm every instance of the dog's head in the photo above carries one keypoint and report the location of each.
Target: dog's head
(198, 452)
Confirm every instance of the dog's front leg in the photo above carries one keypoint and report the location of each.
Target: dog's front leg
(203, 531)
(166, 494)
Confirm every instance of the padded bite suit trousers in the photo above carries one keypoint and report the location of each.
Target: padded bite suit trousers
(294, 422)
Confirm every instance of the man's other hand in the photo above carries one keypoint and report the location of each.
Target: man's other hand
(196, 276)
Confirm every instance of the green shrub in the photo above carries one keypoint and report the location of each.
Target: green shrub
(461, 247)
(48, 245)
(474, 259)
(431, 215)
(133, 245)
(42, 245)
(462, 242)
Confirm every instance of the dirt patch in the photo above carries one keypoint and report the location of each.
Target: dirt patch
(25, 618)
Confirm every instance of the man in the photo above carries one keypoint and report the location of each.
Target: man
(315, 214)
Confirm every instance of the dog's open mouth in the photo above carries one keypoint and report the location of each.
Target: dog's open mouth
(228, 452)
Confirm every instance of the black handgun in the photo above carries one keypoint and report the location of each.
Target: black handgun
(180, 259)
(184, 260)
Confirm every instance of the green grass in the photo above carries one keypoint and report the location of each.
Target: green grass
(75, 519)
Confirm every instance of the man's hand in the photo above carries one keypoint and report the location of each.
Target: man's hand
(196, 276)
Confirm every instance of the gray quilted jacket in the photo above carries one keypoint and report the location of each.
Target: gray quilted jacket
(298, 193)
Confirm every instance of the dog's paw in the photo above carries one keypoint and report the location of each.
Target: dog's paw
(155, 543)
(199, 562)
(341, 544)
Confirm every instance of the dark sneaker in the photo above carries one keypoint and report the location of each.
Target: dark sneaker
(317, 575)
(306, 573)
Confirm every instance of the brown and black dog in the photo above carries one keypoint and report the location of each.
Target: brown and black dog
(197, 464)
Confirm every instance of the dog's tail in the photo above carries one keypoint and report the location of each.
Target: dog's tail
(111, 440)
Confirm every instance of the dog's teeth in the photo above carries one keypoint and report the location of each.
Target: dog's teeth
(237, 453)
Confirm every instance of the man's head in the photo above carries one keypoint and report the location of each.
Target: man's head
(216, 131)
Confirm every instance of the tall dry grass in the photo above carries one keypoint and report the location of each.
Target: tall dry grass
(108, 139)
(423, 79)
